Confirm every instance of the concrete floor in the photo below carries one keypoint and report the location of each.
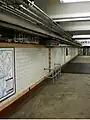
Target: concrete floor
(80, 65)
(82, 59)
(69, 97)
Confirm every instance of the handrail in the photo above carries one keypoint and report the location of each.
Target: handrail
(59, 65)
(55, 72)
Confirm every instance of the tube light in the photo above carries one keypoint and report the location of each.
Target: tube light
(81, 36)
(72, 19)
(70, 1)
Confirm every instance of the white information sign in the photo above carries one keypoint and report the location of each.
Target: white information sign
(7, 76)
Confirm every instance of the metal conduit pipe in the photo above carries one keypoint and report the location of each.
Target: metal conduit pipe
(53, 27)
(70, 42)
(37, 10)
(24, 16)
(56, 38)
(35, 20)
(29, 19)
(22, 8)
(32, 21)
(45, 16)
(48, 18)
(45, 25)
(50, 22)
(21, 13)
(61, 38)
(16, 12)
(40, 13)
(48, 25)
(34, 15)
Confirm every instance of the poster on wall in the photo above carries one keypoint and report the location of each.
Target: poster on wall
(7, 73)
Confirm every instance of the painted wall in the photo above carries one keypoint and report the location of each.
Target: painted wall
(30, 64)
(55, 9)
(59, 55)
(75, 26)
(62, 10)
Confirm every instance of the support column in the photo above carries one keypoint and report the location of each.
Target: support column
(49, 56)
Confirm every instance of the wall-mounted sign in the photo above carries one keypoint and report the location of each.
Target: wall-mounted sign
(52, 43)
(7, 73)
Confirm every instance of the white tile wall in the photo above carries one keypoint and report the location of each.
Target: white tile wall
(59, 55)
(30, 64)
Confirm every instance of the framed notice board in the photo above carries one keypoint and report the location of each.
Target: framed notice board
(7, 73)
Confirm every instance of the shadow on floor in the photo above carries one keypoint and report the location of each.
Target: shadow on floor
(80, 65)
(77, 68)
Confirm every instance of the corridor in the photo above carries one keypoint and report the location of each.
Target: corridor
(69, 97)
(44, 59)
(80, 65)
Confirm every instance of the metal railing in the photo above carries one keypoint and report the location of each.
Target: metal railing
(55, 72)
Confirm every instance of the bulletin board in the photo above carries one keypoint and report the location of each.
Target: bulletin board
(7, 73)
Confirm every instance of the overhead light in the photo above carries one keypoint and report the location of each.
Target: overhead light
(87, 39)
(81, 36)
(72, 19)
(70, 1)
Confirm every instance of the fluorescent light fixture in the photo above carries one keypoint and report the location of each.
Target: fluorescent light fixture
(72, 19)
(81, 36)
(70, 1)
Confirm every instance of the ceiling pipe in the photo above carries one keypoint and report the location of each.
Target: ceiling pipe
(55, 25)
(24, 16)
(36, 17)
(61, 38)
(61, 32)
(43, 15)
(48, 24)
(48, 18)
(40, 13)
(31, 8)
(20, 2)
(20, 14)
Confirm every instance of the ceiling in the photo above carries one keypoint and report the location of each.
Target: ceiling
(72, 17)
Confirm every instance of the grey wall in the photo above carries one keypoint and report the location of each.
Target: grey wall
(56, 9)
(76, 26)
(47, 5)
(69, 10)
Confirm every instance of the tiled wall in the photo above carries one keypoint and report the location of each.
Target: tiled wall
(30, 64)
(59, 55)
